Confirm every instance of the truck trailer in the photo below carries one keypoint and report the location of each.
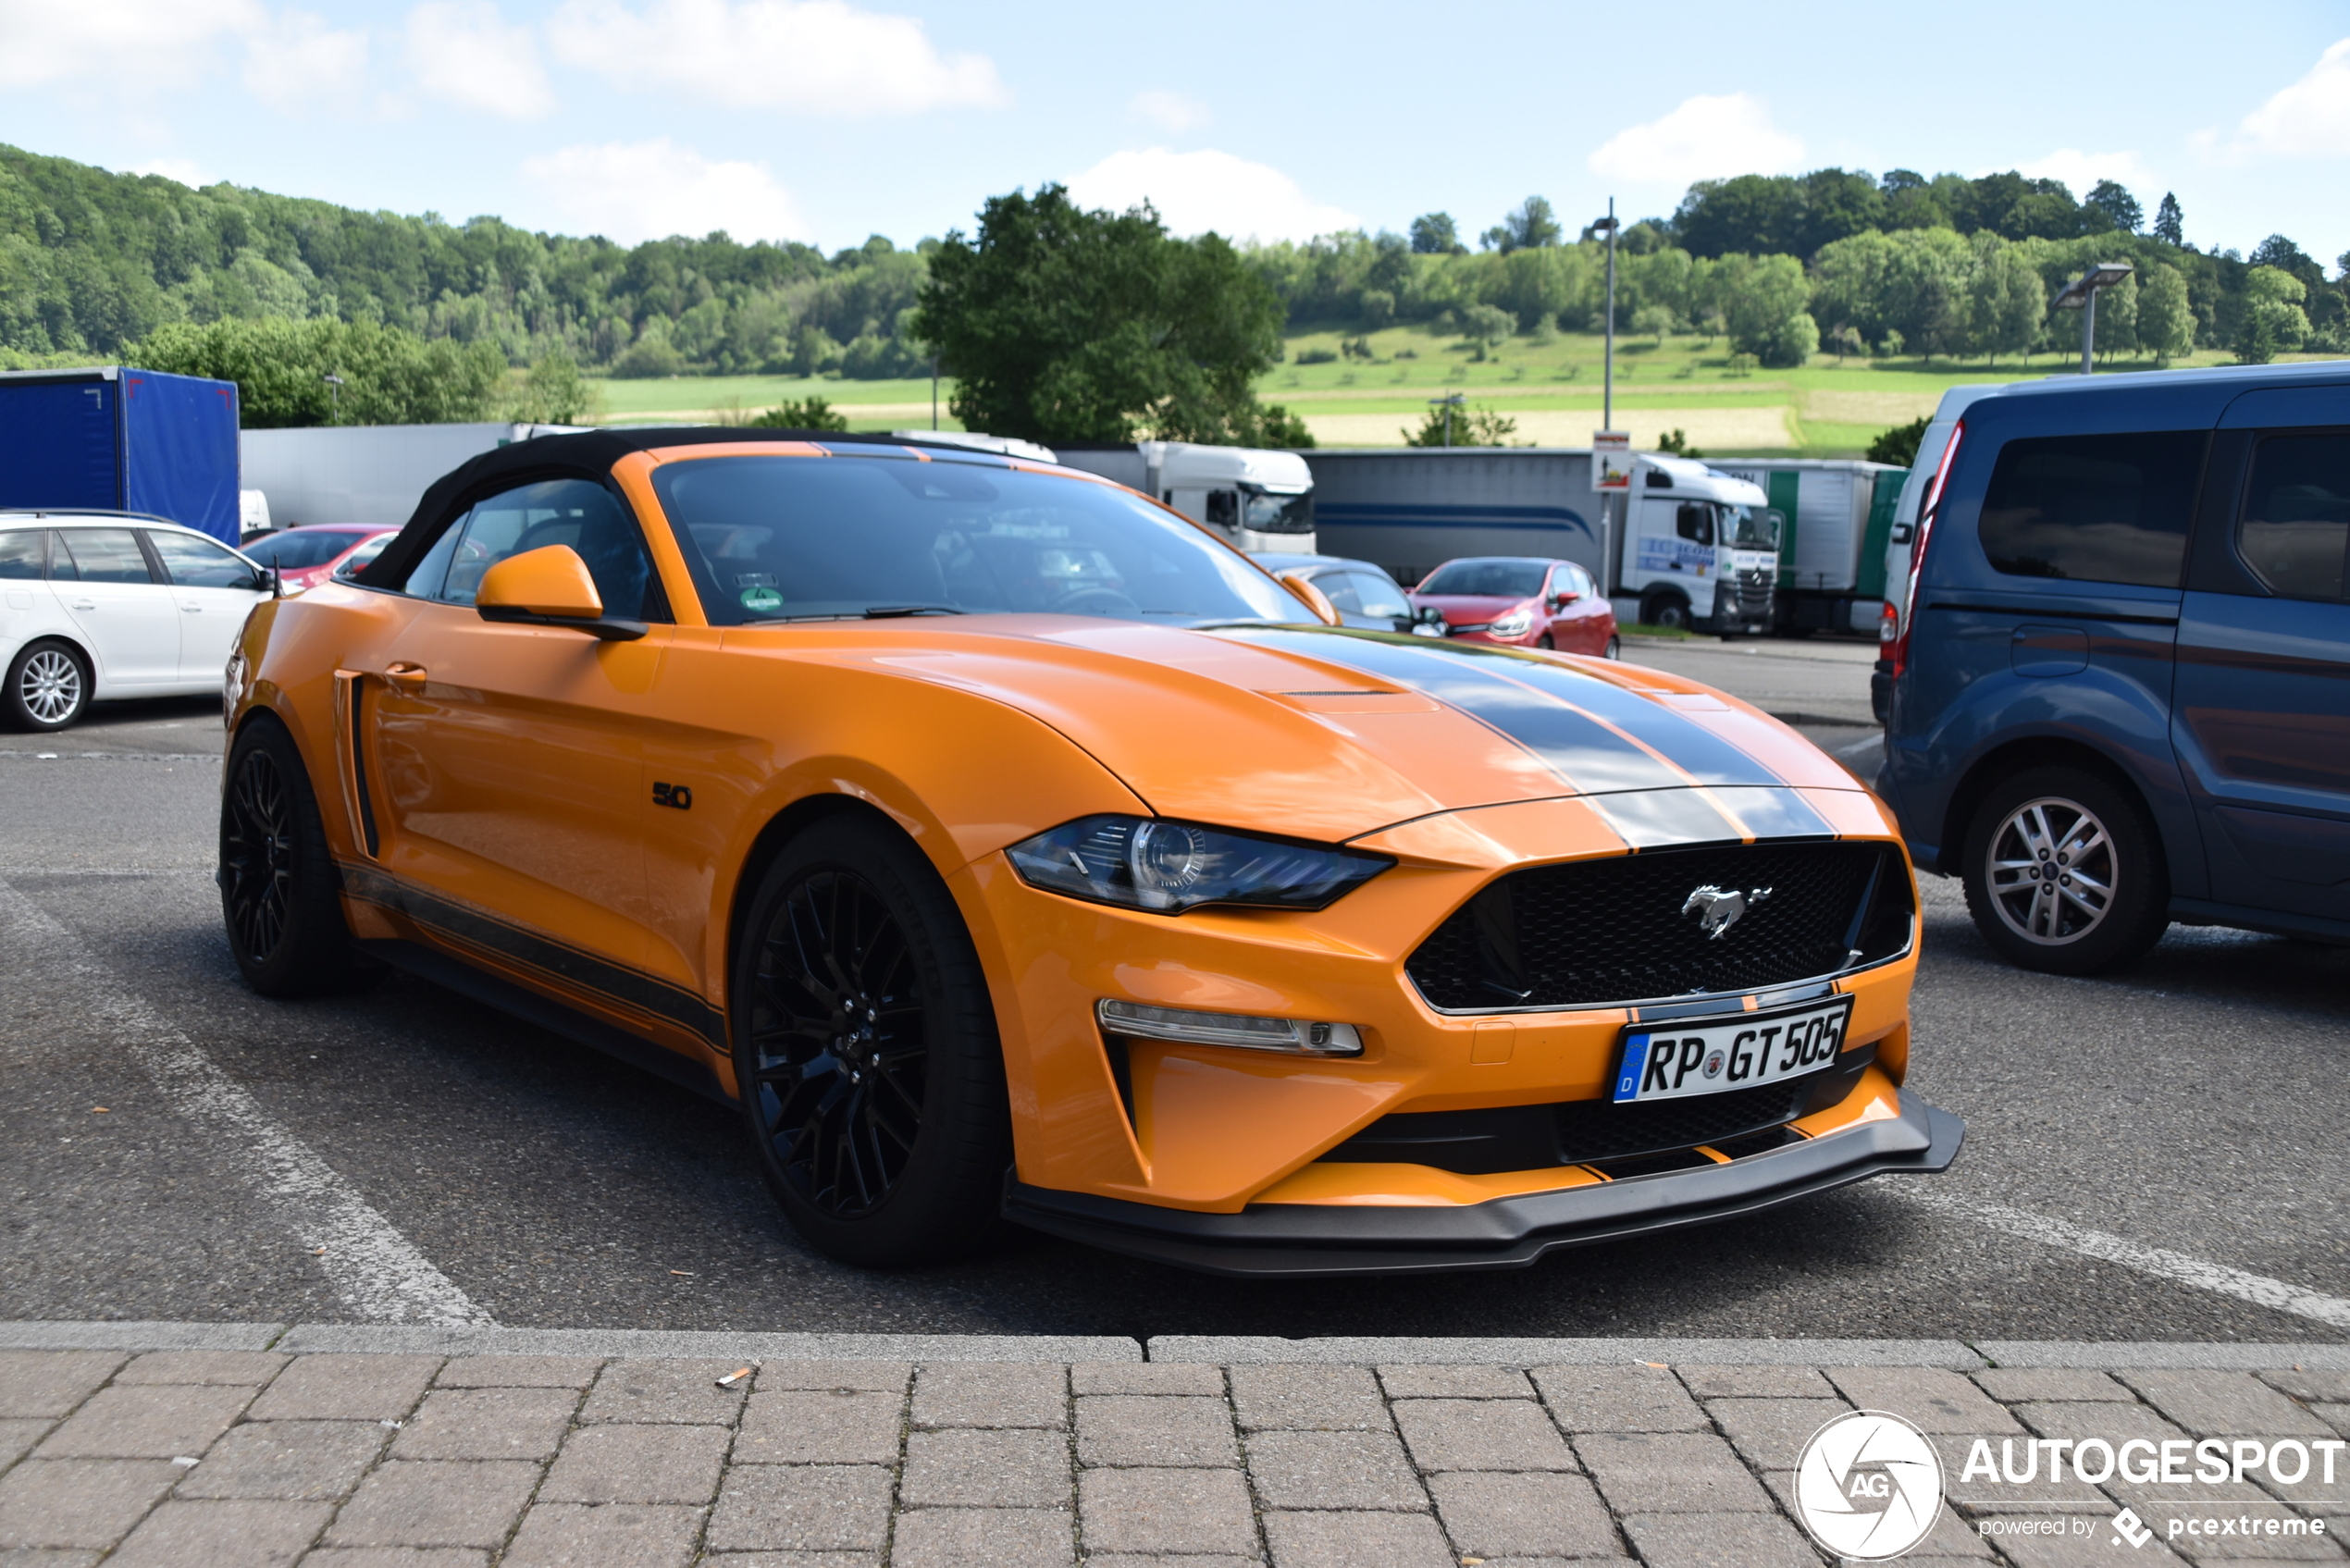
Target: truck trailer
(1688, 544)
(111, 438)
(1257, 499)
(1837, 515)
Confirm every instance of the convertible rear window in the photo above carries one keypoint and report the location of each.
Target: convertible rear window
(783, 538)
(2102, 508)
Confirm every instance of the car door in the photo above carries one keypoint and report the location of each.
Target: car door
(506, 757)
(1576, 624)
(123, 613)
(2261, 715)
(216, 589)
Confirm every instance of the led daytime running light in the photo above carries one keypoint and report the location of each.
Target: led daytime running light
(1181, 1026)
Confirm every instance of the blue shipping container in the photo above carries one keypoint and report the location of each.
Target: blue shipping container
(122, 440)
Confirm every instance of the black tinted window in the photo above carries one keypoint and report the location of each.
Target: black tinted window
(2100, 509)
(557, 511)
(1694, 520)
(769, 538)
(2296, 531)
(20, 553)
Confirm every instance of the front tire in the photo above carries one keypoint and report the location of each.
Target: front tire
(1669, 611)
(280, 894)
(48, 688)
(1614, 648)
(2065, 875)
(866, 1056)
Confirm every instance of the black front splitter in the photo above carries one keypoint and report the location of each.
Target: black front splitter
(1312, 1241)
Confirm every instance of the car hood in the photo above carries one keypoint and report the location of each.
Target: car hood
(1329, 734)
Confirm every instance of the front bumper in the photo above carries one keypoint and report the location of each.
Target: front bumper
(1311, 1241)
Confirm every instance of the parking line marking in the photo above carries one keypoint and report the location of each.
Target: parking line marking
(2160, 1262)
(375, 1271)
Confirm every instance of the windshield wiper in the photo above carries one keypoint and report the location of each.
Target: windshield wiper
(885, 611)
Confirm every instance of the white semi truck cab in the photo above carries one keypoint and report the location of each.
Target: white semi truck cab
(1700, 549)
(1259, 498)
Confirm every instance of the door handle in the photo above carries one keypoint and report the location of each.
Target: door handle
(191, 610)
(404, 673)
(84, 604)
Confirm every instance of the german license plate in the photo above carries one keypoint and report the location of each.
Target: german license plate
(1712, 1055)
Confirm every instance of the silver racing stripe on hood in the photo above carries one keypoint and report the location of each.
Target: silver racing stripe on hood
(1659, 776)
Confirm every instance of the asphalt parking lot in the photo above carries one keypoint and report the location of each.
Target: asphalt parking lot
(2156, 1155)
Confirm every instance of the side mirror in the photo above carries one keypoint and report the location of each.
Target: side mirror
(1312, 599)
(1429, 621)
(1901, 532)
(550, 586)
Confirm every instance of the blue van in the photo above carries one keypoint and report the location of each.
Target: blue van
(2119, 695)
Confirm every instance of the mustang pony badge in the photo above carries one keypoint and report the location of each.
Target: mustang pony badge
(1719, 908)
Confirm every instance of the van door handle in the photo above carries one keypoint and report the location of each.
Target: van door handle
(404, 673)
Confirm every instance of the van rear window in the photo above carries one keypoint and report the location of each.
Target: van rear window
(2100, 509)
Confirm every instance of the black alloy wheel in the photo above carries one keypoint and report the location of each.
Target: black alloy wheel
(279, 896)
(866, 1051)
(48, 688)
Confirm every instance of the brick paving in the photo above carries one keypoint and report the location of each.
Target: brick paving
(193, 1459)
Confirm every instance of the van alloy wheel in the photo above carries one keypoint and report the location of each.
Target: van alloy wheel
(2052, 871)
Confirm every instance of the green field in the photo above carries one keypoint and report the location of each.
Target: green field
(1826, 409)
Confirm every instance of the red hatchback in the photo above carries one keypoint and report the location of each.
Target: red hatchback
(1522, 602)
(307, 556)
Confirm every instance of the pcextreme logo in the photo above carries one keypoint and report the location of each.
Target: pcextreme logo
(1869, 1486)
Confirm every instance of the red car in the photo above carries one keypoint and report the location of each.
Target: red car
(1521, 601)
(307, 556)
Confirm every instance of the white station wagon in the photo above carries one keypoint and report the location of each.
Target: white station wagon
(96, 606)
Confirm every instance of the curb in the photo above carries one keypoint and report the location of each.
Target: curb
(384, 1339)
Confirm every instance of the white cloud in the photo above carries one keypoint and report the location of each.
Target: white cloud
(463, 52)
(187, 171)
(1168, 111)
(119, 41)
(2080, 171)
(1198, 192)
(1705, 137)
(636, 190)
(2309, 120)
(297, 62)
(815, 56)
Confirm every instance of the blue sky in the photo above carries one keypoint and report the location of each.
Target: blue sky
(827, 120)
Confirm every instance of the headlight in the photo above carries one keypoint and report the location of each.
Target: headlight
(1146, 864)
(1517, 623)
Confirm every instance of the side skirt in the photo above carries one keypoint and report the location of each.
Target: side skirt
(528, 1006)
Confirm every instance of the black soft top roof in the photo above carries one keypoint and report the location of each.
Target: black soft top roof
(589, 455)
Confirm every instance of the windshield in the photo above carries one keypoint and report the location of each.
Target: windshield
(365, 554)
(1263, 513)
(1749, 529)
(1490, 579)
(300, 547)
(775, 538)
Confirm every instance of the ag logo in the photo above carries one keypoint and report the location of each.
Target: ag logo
(1869, 1486)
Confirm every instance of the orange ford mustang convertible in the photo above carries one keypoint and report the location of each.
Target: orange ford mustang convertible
(1006, 846)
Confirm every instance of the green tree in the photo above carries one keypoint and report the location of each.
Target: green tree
(2273, 321)
(1489, 327)
(2170, 224)
(1653, 321)
(1068, 325)
(2116, 205)
(1765, 303)
(2166, 322)
(1898, 446)
(811, 413)
(1530, 226)
(388, 376)
(1434, 234)
(1470, 427)
(553, 392)
(2005, 302)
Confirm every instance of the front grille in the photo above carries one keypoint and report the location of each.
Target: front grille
(1606, 932)
(1601, 1130)
(1755, 591)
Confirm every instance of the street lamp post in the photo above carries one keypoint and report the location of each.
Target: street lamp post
(2080, 294)
(1607, 370)
(1449, 403)
(334, 397)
